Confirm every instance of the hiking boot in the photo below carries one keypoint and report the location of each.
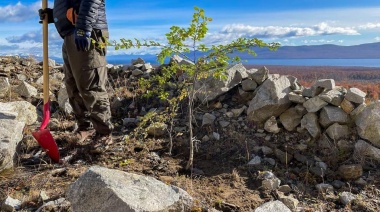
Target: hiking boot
(102, 143)
(83, 135)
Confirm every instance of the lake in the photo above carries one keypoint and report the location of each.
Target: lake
(119, 59)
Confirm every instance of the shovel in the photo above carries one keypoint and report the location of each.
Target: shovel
(43, 136)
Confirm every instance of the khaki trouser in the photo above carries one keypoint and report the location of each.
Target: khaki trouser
(85, 79)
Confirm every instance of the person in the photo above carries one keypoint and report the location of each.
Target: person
(83, 26)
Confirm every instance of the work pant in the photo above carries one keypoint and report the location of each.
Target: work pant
(85, 79)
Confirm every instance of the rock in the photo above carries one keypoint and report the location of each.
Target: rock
(4, 86)
(271, 184)
(355, 95)
(237, 112)
(271, 125)
(248, 85)
(314, 104)
(296, 98)
(328, 84)
(157, 129)
(334, 97)
(291, 118)
(102, 189)
(368, 123)
(210, 88)
(337, 184)
(26, 90)
(285, 189)
(25, 111)
(346, 197)
(331, 114)
(364, 149)
(259, 76)
(347, 106)
(350, 172)
(284, 157)
(11, 205)
(310, 123)
(137, 61)
(11, 133)
(273, 206)
(208, 119)
(271, 99)
(337, 131)
(63, 100)
(60, 204)
(255, 161)
(312, 91)
(290, 202)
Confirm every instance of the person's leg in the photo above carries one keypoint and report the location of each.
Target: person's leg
(75, 99)
(90, 74)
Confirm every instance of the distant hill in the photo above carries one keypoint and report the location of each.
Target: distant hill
(328, 51)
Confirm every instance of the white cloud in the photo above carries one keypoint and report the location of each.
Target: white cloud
(19, 12)
(377, 38)
(284, 31)
(370, 26)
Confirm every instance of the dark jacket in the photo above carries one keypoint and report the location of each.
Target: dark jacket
(91, 15)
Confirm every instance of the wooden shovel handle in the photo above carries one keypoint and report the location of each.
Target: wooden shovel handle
(45, 66)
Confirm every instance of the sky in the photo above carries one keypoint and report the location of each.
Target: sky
(289, 22)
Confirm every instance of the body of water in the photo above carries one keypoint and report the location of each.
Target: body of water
(116, 60)
(316, 62)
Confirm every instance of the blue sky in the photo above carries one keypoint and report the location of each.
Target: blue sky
(289, 22)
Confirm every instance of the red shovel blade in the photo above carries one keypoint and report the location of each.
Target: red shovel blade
(46, 140)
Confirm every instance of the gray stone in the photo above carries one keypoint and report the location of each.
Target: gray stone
(330, 115)
(296, 98)
(310, 123)
(334, 97)
(271, 125)
(248, 85)
(364, 149)
(26, 112)
(347, 106)
(346, 197)
(337, 131)
(290, 202)
(63, 100)
(314, 104)
(355, 95)
(102, 189)
(208, 119)
(273, 206)
(291, 118)
(210, 88)
(4, 86)
(326, 83)
(368, 123)
(271, 99)
(11, 204)
(259, 76)
(11, 134)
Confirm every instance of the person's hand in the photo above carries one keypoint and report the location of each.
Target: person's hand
(82, 39)
(42, 13)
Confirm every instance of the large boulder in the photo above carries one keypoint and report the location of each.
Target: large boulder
(368, 123)
(24, 111)
(271, 99)
(102, 189)
(210, 88)
(11, 133)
